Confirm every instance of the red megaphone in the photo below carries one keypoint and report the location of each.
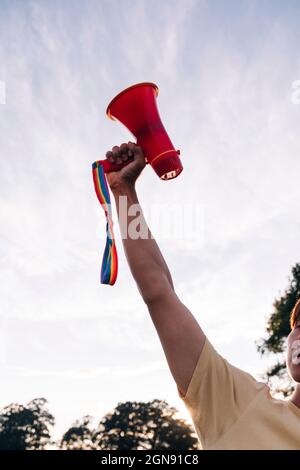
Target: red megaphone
(135, 107)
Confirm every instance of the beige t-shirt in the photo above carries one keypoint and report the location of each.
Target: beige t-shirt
(231, 410)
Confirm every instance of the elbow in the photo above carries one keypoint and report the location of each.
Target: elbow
(158, 289)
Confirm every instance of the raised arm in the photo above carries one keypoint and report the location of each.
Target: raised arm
(181, 336)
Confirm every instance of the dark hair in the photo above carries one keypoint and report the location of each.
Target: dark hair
(295, 314)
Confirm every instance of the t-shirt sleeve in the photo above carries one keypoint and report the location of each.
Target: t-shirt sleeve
(217, 395)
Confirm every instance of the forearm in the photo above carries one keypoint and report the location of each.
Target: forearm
(179, 332)
(145, 260)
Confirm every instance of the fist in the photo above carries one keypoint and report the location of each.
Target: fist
(127, 175)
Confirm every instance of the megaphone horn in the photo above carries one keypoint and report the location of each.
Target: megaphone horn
(136, 108)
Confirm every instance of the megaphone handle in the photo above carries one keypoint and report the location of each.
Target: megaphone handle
(108, 167)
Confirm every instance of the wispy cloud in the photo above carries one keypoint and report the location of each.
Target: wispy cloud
(92, 373)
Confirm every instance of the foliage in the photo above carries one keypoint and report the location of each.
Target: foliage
(134, 426)
(25, 427)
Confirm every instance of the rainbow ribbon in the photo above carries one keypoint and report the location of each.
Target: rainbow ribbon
(109, 268)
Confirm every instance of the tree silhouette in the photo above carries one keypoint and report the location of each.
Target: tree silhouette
(81, 436)
(277, 330)
(25, 427)
(151, 425)
(134, 426)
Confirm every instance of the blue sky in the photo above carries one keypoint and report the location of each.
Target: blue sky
(225, 71)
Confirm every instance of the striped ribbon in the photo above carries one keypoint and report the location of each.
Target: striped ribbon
(109, 268)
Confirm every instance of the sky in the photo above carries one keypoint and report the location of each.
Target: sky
(228, 75)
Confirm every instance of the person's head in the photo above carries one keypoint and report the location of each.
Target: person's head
(293, 353)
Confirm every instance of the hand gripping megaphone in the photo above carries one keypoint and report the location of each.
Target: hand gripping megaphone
(136, 108)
